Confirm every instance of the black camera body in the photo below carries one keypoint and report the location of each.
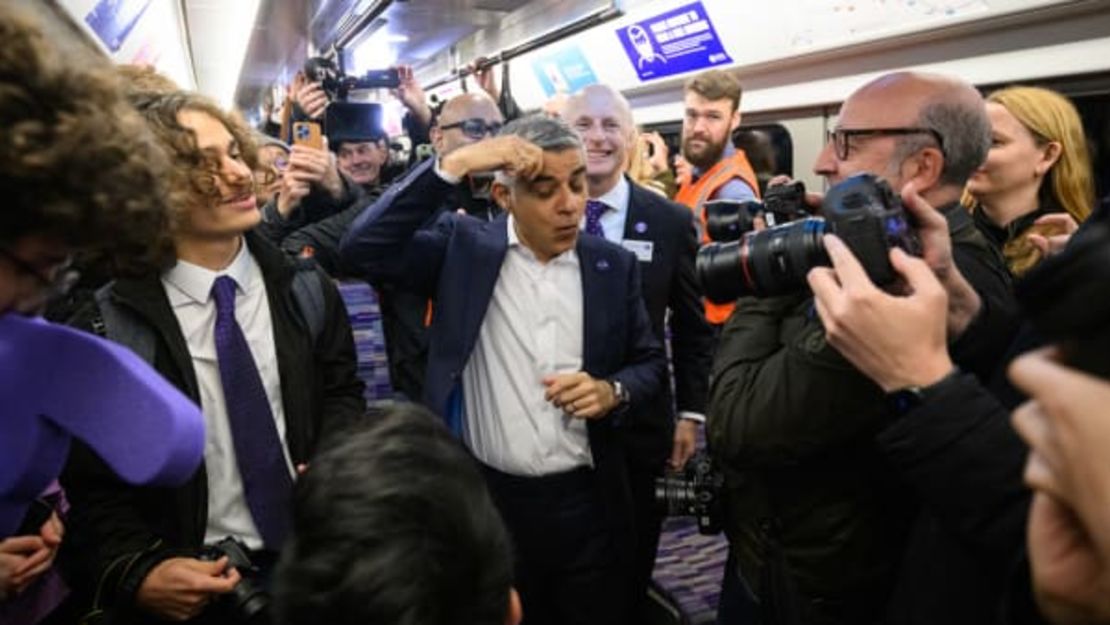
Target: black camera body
(694, 491)
(248, 602)
(728, 220)
(862, 210)
(338, 85)
(869, 217)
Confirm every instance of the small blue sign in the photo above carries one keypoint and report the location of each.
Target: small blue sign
(113, 20)
(678, 41)
(565, 71)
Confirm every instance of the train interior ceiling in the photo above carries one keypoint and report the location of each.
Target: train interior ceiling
(797, 59)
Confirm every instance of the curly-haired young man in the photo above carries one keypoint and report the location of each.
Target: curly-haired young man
(272, 369)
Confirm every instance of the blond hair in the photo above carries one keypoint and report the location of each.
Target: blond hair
(1068, 185)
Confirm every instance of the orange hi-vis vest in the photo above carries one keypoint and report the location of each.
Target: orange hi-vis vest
(694, 195)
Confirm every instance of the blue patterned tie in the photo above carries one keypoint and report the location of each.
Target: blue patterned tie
(267, 484)
(594, 211)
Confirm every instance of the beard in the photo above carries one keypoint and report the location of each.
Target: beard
(707, 156)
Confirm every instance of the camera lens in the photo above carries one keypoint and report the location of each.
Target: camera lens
(720, 273)
(250, 602)
(675, 495)
(728, 220)
(779, 258)
(770, 262)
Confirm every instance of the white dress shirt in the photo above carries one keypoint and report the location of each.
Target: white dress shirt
(533, 328)
(189, 288)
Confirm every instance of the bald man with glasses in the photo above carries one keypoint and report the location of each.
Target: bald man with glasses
(464, 119)
(818, 523)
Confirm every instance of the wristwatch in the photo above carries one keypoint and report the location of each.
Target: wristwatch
(621, 393)
(903, 400)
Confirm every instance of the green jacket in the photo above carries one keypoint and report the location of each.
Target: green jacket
(813, 518)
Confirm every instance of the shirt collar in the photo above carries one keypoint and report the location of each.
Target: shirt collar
(617, 197)
(515, 243)
(193, 283)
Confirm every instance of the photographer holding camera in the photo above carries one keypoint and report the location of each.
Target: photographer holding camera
(793, 423)
(953, 445)
(362, 159)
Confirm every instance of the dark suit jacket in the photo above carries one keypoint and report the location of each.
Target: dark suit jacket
(669, 282)
(116, 533)
(406, 238)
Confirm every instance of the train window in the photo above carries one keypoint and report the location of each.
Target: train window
(1095, 112)
(769, 149)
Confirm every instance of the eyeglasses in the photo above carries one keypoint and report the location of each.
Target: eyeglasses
(64, 277)
(269, 175)
(840, 137)
(475, 128)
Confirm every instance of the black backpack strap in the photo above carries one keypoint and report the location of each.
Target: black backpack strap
(308, 290)
(121, 326)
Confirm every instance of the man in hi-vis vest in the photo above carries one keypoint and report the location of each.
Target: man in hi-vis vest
(718, 170)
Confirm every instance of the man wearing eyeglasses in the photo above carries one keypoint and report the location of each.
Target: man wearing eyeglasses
(818, 521)
(464, 119)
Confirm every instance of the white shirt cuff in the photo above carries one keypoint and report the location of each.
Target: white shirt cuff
(444, 176)
(696, 417)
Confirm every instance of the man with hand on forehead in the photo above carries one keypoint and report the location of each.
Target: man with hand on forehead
(540, 350)
(465, 119)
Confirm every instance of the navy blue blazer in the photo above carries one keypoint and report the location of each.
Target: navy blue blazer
(455, 259)
(669, 283)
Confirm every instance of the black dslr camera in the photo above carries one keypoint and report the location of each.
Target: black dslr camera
(694, 491)
(248, 602)
(728, 220)
(862, 210)
(338, 85)
(1067, 300)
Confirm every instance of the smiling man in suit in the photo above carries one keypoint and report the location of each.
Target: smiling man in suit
(541, 353)
(661, 233)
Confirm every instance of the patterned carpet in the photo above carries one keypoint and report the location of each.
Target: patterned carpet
(366, 325)
(689, 569)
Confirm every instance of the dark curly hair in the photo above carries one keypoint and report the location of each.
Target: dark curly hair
(192, 178)
(76, 161)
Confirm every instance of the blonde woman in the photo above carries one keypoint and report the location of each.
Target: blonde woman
(1035, 186)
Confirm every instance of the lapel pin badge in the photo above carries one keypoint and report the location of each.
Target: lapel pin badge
(602, 265)
(640, 227)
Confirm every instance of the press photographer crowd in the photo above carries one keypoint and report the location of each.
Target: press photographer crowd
(887, 395)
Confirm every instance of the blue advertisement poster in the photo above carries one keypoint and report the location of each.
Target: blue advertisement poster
(565, 71)
(678, 41)
(113, 20)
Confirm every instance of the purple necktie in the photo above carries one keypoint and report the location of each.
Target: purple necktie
(594, 211)
(258, 451)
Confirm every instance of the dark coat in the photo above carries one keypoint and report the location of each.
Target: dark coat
(116, 533)
(669, 282)
(816, 518)
(964, 462)
(966, 560)
(403, 312)
(407, 238)
(316, 206)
